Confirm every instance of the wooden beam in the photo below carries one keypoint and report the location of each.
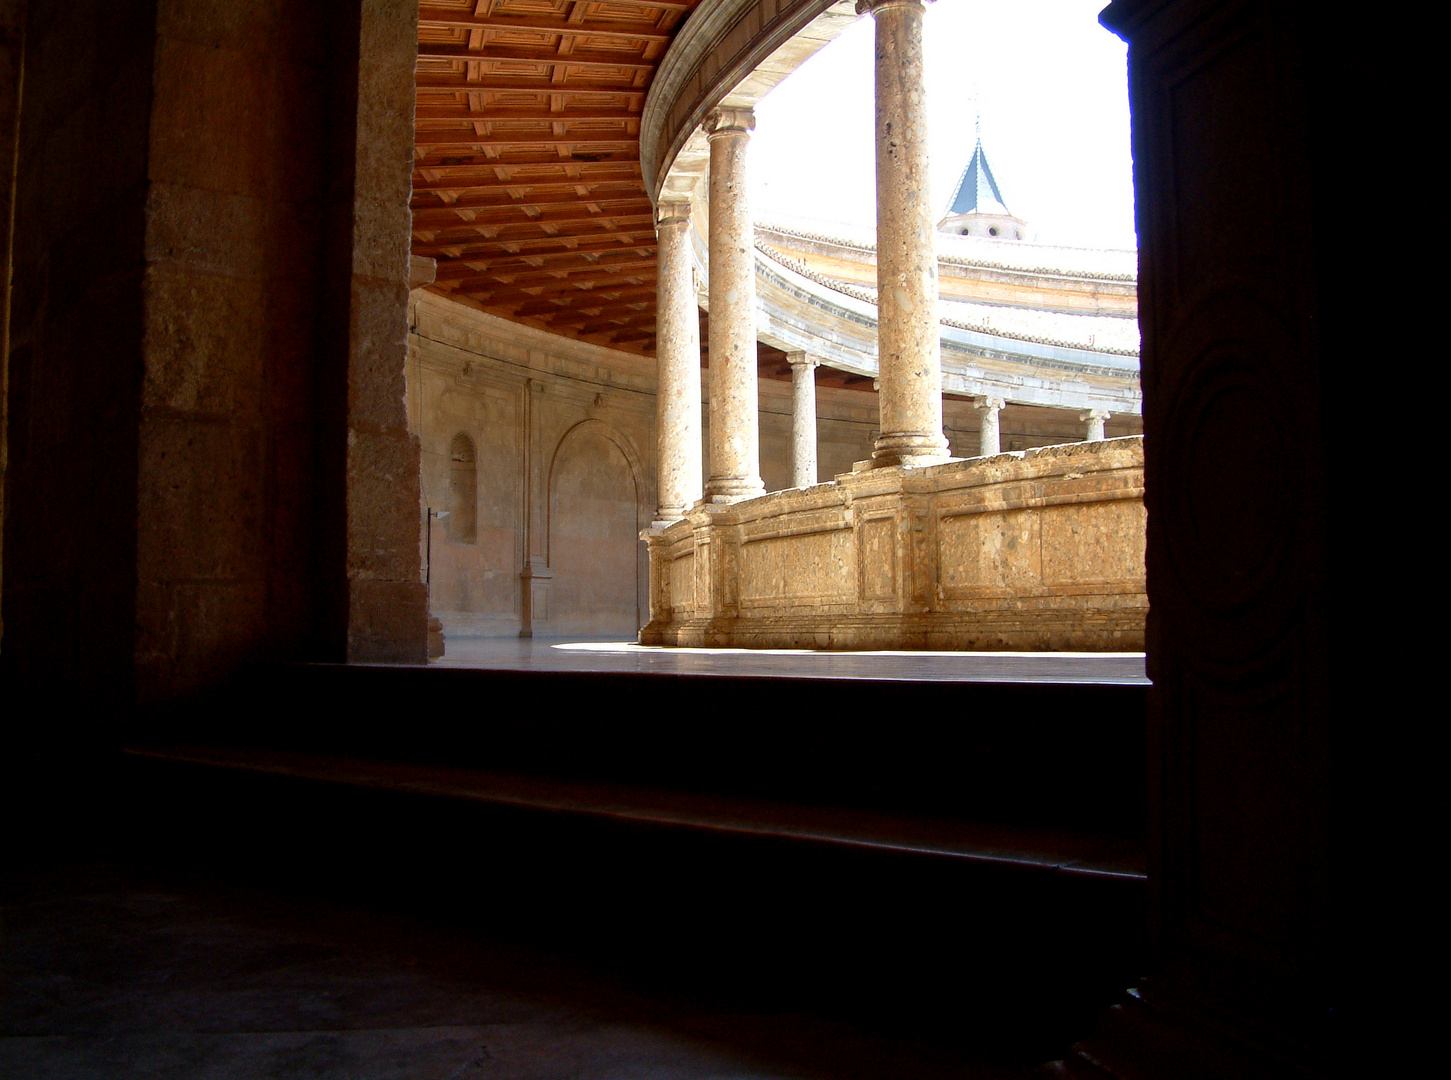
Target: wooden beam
(518, 224)
(513, 216)
(571, 292)
(464, 114)
(493, 183)
(571, 198)
(591, 61)
(523, 138)
(534, 246)
(502, 264)
(639, 334)
(528, 232)
(478, 160)
(450, 17)
(559, 316)
(514, 84)
(524, 276)
(634, 273)
(619, 323)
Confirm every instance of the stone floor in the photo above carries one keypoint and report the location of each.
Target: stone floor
(122, 971)
(514, 654)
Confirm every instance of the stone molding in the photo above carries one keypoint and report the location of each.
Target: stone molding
(1034, 550)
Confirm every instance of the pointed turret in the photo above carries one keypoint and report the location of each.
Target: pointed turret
(977, 191)
(978, 207)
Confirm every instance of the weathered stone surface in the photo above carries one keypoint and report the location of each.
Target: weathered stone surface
(562, 434)
(191, 144)
(735, 447)
(677, 336)
(1041, 550)
(803, 419)
(200, 506)
(383, 534)
(376, 386)
(204, 346)
(909, 352)
(387, 622)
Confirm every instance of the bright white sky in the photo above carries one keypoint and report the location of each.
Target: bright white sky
(1052, 88)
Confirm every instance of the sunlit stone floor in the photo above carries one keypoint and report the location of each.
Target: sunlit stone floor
(514, 654)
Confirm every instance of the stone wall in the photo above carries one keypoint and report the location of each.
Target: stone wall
(1041, 550)
(562, 435)
(564, 441)
(208, 461)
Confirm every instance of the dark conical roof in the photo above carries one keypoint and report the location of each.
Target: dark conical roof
(977, 192)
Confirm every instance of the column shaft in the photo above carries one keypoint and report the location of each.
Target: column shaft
(803, 419)
(735, 441)
(677, 393)
(1096, 419)
(909, 359)
(990, 442)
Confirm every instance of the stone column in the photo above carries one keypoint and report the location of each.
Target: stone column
(803, 418)
(909, 357)
(735, 439)
(677, 346)
(990, 443)
(1095, 418)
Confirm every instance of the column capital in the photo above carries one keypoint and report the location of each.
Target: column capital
(1095, 414)
(803, 360)
(989, 404)
(672, 212)
(730, 122)
(863, 6)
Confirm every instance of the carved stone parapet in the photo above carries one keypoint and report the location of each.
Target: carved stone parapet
(1038, 552)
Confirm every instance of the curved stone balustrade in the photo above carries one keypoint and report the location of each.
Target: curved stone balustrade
(794, 312)
(1037, 550)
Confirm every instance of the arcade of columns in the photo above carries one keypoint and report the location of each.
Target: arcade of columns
(909, 355)
(1041, 552)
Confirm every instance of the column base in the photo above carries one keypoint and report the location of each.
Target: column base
(733, 490)
(911, 450)
(666, 516)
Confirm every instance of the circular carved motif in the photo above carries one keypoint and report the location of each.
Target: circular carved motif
(1230, 477)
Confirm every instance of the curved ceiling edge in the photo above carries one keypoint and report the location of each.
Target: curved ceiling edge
(709, 61)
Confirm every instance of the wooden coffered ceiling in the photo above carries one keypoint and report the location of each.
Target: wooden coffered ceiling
(526, 182)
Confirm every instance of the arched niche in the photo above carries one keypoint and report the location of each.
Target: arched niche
(463, 490)
(592, 534)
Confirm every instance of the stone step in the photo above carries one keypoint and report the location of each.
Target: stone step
(894, 762)
(767, 905)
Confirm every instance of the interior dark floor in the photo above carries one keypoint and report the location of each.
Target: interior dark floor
(162, 917)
